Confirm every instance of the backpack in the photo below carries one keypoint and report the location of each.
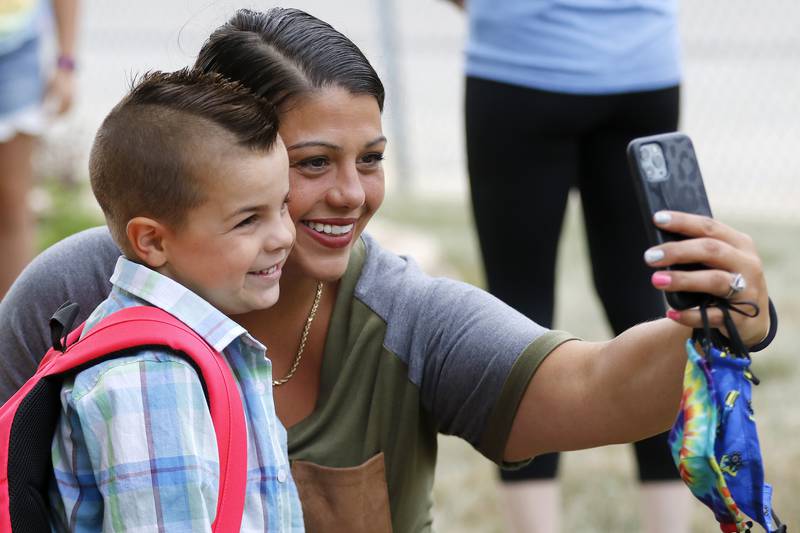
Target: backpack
(28, 419)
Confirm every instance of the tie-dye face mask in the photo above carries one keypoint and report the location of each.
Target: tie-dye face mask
(714, 440)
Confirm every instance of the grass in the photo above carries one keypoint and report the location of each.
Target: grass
(598, 485)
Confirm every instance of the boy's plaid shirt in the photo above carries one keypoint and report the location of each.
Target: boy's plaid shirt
(135, 449)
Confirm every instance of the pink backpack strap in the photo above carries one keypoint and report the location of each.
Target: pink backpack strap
(150, 326)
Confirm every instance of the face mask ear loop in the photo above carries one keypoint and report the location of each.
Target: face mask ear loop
(705, 336)
(737, 346)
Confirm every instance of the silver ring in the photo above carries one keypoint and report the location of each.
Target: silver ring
(738, 284)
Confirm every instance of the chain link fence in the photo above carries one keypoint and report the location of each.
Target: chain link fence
(740, 100)
(740, 91)
(741, 103)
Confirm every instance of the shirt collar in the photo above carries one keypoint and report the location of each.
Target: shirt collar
(160, 291)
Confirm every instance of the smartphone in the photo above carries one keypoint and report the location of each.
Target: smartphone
(667, 177)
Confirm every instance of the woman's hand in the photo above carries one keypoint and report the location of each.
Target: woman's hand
(726, 252)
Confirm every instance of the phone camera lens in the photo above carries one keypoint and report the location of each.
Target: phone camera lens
(652, 163)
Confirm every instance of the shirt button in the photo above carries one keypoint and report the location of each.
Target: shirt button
(282, 475)
(260, 388)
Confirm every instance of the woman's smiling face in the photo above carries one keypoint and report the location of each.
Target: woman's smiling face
(335, 145)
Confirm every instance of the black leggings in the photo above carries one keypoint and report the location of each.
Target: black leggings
(526, 148)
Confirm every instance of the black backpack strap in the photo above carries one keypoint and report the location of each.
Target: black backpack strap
(61, 324)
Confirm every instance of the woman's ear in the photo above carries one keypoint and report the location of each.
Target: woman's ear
(146, 239)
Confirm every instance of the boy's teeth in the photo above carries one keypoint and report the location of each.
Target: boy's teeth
(329, 229)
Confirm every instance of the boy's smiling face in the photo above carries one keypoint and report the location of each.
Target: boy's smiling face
(231, 248)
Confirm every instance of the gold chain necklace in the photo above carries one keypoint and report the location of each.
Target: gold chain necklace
(311, 314)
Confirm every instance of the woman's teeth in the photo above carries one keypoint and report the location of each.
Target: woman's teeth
(329, 229)
(266, 271)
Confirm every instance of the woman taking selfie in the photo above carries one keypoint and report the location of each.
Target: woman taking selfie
(372, 358)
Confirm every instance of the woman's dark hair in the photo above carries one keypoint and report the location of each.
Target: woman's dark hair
(283, 54)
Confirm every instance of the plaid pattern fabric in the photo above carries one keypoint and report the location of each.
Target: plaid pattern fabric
(135, 450)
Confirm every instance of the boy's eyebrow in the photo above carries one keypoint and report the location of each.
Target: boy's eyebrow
(324, 144)
(251, 208)
(245, 209)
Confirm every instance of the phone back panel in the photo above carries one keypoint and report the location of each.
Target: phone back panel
(681, 190)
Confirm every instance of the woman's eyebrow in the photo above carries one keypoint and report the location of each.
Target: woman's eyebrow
(306, 144)
(379, 140)
(331, 146)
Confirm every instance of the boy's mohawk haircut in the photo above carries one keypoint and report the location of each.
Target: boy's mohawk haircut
(229, 104)
(148, 153)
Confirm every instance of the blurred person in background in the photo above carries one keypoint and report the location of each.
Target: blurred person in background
(555, 90)
(27, 97)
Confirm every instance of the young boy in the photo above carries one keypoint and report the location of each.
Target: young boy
(193, 180)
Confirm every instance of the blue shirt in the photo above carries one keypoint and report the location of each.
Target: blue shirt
(575, 46)
(135, 447)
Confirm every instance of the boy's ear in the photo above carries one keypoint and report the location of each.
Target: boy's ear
(146, 238)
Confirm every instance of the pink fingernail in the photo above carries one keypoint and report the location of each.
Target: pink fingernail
(661, 279)
(673, 314)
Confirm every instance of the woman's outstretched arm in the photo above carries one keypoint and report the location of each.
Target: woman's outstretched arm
(589, 394)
